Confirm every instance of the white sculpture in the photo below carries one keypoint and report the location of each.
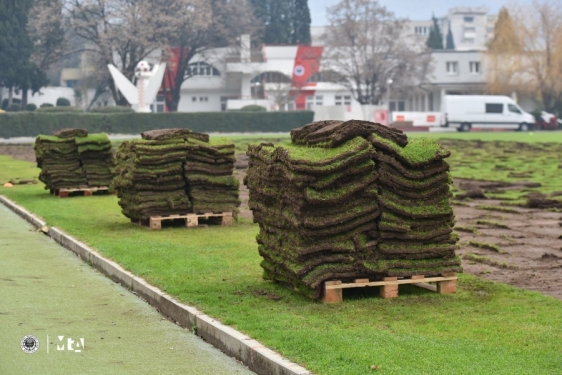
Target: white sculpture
(148, 84)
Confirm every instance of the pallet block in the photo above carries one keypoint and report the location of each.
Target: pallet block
(444, 284)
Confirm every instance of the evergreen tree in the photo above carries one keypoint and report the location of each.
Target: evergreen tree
(301, 23)
(285, 21)
(435, 40)
(450, 40)
(278, 30)
(17, 72)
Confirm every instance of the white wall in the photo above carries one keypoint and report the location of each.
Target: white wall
(46, 95)
(199, 102)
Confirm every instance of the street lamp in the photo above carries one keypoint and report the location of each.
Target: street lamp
(388, 83)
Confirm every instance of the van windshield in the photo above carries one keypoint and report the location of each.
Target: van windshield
(513, 108)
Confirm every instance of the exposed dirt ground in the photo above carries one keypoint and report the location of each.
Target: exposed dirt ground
(21, 152)
(530, 242)
(529, 239)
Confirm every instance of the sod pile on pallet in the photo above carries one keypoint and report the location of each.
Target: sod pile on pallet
(351, 200)
(71, 158)
(175, 172)
(208, 173)
(95, 154)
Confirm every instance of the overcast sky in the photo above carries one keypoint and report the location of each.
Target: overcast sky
(412, 9)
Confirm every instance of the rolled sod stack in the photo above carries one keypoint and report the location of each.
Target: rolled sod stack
(95, 154)
(349, 200)
(208, 173)
(71, 158)
(175, 172)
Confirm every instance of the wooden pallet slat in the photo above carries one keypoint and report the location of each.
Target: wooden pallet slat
(191, 220)
(444, 284)
(86, 191)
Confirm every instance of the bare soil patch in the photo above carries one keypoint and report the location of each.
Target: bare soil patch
(18, 151)
(531, 250)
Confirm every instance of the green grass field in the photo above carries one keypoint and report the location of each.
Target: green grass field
(486, 328)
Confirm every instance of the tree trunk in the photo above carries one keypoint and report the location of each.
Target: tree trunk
(23, 99)
(117, 97)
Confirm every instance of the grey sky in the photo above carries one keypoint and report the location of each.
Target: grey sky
(412, 9)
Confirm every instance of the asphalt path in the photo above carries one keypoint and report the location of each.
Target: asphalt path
(47, 292)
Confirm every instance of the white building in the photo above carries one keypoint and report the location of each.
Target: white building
(296, 77)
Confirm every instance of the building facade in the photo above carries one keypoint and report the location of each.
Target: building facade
(285, 78)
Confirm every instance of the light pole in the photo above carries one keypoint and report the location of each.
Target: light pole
(388, 83)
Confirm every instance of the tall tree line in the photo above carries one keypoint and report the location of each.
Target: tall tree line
(284, 21)
(17, 69)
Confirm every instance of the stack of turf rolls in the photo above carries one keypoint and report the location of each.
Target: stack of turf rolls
(324, 202)
(71, 158)
(148, 175)
(416, 223)
(209, 175)
(153, 175)
(96, 157)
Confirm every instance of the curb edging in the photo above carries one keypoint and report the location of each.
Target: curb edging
(250, 352)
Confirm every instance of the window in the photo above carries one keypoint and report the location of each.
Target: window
(270, 77)
(314, 100)
(513, 108)
(421, 30)
(468, 19)
(193, 98)
(400, 105)
(494, 108)
(470, 30)
(71, 83)
(474, 67)
(201, 69)
(224, 101)
(468, 40)
(452, 67)
(159, 105)
(203, 98)
(326, 76)
(343, 99)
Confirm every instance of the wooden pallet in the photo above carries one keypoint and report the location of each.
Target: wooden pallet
(85, 191)
(444, 284)
(191, 220)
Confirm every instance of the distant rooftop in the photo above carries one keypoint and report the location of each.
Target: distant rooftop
(468, 10)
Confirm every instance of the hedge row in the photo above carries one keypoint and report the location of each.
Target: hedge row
(30, 124)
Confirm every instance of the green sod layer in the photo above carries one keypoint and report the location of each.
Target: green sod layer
(417, 153)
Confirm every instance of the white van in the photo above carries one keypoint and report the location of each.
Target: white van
(465, 112)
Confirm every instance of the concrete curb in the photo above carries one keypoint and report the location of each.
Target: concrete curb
(28, 216)
(250, 352)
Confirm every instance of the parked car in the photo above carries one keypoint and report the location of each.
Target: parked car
(545, 121)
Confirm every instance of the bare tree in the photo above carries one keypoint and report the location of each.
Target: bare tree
(216, 23)
(281, 93)
(45, 28)
(119, 32)
(365, 43)
(124, 32)
(529, 57)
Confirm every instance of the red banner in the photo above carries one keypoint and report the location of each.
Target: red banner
(307, 63)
